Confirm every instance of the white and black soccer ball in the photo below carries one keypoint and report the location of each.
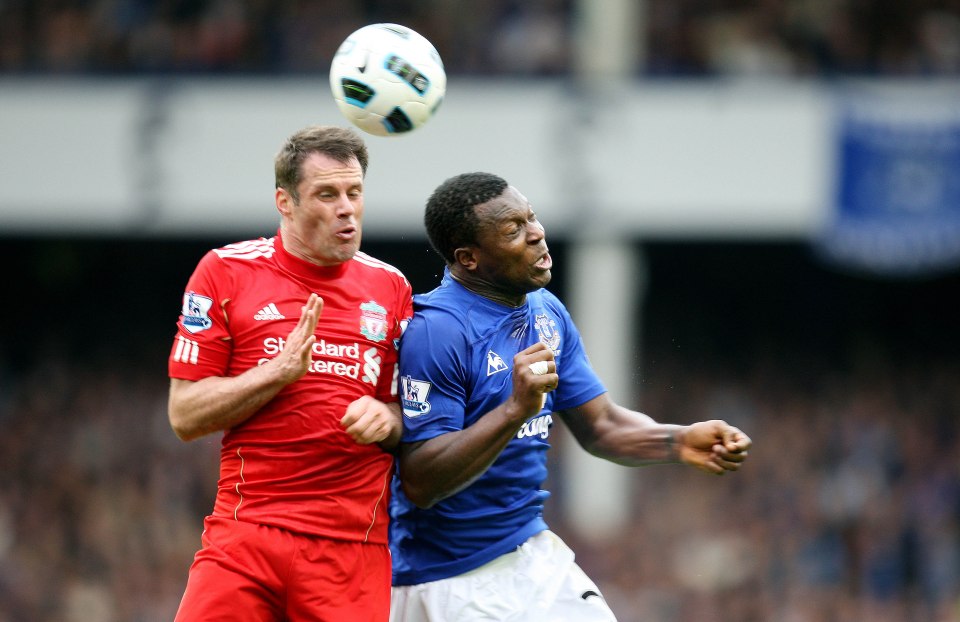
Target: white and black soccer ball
(387, 79)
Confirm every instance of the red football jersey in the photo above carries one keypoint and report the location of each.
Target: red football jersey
(291, 465)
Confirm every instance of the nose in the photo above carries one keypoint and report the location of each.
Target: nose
(345, 207)
(535, 232)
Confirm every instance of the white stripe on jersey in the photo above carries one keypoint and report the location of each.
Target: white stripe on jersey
(187, 351)
(373, 262)
(251, 249)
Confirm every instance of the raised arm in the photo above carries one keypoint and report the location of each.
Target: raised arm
(434, 469)
(197, 408)
(610, 431)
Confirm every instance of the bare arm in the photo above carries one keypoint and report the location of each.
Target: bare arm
(434, 469)
(197, 408)
(627, 437)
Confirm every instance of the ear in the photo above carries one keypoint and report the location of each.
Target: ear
(466, 258)
(283, 201)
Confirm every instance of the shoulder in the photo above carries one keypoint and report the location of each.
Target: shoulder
(372, 263)
(249, 250)
(368, 263)
(439, 316)
(233, 257)
(443, 304)
(548, 299)
(221, 269)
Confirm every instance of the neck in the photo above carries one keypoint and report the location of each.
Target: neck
(489, 291)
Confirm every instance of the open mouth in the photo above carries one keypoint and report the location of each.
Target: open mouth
(544, 263)
(347, 233)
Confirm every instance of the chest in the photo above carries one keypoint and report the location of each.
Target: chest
(355, 317)
(492, 355)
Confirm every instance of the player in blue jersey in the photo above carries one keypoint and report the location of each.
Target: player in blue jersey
(487, 360)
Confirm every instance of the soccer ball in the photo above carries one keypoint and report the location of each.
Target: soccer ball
(387, 79)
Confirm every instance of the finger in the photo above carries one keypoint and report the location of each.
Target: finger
(727, 464)
(537, 347)
(314, 307)
(306, 350)
(735, 455)
(302, 321)
(306, 323)
(355, 411)
(733, 458)
(542, 368)
(735, 440)
(359, 430)
(728, 467)
(373, 434)
(314, 304)
(722, 449)
(539, 368)
(740, 445)
(368, 431)
(358, 434)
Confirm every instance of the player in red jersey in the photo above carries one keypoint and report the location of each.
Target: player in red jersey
(288, 346)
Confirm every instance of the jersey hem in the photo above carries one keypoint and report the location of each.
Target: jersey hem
(473, 562)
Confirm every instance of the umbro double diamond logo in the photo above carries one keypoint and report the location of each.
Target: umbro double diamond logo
(269, 312)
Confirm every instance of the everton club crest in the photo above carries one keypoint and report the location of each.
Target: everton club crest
(373, 321)
(547, 331)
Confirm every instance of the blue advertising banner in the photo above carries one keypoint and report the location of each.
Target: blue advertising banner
(897, 195)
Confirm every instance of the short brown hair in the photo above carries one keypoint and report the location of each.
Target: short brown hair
(340, 143)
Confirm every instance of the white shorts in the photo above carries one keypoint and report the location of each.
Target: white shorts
(538, 582)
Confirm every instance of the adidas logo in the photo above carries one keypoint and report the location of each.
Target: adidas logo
(269, 312)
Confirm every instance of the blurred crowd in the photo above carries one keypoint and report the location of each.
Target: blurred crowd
(480, 37)
(99, 506)
(849, 508)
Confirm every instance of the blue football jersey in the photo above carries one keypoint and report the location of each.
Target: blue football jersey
(456, 364)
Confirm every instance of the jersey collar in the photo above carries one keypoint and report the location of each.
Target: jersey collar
(449, 281)
(304, 269)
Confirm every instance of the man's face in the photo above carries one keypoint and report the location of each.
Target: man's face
(324, 226)
(511, 249)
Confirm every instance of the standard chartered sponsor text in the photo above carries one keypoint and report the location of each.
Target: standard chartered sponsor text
(273, 345)
(371, 368)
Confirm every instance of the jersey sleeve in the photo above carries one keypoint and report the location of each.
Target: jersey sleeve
(432, 377)
(387, 389)
(579, 382)
(202, 344)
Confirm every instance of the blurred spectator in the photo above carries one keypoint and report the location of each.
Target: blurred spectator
(532, 38)
(479, 37)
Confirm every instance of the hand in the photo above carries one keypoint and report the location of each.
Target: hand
(293, 361)
(369, 420)
(713, 446)
(530, 388)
